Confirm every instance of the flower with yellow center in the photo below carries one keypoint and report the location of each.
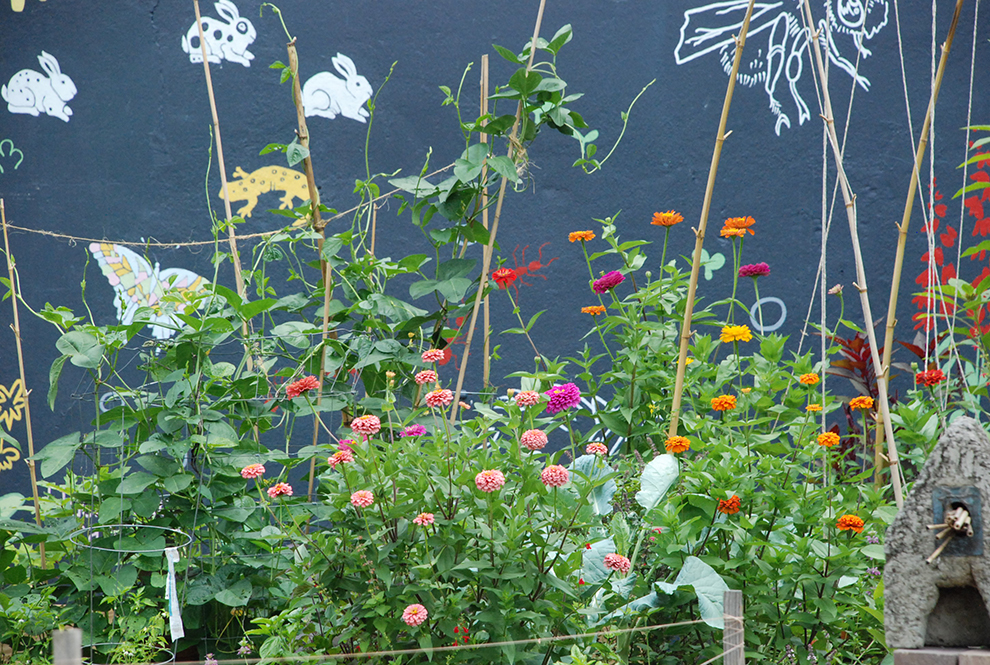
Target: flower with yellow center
(594, 310)
(677, 444)
(813, 407)
(574, 236)
(668, 218)
(740, 224)
(861, 403)
(736, 334)
(809, 379)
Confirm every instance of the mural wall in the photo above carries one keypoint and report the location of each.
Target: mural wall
(105, 140)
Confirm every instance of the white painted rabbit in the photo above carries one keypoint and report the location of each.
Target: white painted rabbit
(31, 92)
(326, 95)
(224, 41)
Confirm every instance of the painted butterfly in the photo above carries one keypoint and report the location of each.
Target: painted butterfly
(12, 403)
(137, 284)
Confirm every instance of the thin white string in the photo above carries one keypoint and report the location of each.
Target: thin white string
(931, 324)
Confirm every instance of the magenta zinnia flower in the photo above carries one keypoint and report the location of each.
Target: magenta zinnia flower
(489, 480)
(563, 397)
(346, 444)
(415, 614)
(754, 270)
(253, 471)
(607, 282)
(533, 439)
(362, 498)
(555, 476)
(280, 489)
(412, 430)
(617, 562)
(303, 385)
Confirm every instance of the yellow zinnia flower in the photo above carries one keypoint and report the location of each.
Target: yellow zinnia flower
(735, 334)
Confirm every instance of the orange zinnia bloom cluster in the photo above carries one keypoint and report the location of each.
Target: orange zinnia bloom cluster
(574, 236)
(850, 523)
(730, 506)
(594, 310)
(809, 379)
(668, 218)
(813, 407)
(828, 439)
(677, 444)
(736, 227)
(861, 403)
(724, 402)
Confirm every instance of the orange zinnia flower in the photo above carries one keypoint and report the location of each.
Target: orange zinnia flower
(668, 218)
(828, 439)
(677, 444)
(861, 403)
(850, 523)
(574, 236)
(724, 402)
(730, 506)
(726, 232)
(740, 224)
(594, 310)
(809, 379)
(813, 407)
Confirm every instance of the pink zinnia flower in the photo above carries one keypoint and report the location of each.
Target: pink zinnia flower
(303, 385)
(423, 519)
(596, 448)
(432, 356)
(253, 471)
(563, 397)
(534, 439)
(438, 398)
(413, 430)
(527, 398)
(340, 457)
(555, 476)
(415, 614)
(362, 498)
(346, 444)
(490, 480)
(617, 562)
(754, 270)
(367, 425)
(607, 282)
(280, 489)
(426, 376)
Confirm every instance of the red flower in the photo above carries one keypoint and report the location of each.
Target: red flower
(303, 385)
(929, 378)
(503, 277)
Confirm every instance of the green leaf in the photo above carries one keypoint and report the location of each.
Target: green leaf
(415, 185)
(507, 54)
(650, 601)
(455, 268)
(593, 570)
(454, 289)
(135, 483)
(707, 584)
(657, 478)
(419, 289)
(273, 147)
(53, 375)
(58, 453)
(873, 551)
(293, 333)
(595, 469)
(255, 307)
(504, 167)
(295, 152)
(83, 349)
(119, 582)
(237, 595)
(525, 83)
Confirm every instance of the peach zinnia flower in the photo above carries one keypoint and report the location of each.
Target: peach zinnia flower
(828, 439)
(668, 218)
(740, 224)
(861, 402)
(730, 506)
(850, 523)
(735, 334)
(596, 448)
(724, 402)
(533, 439)
(809, 379)
(555, 476)
(574, 236)
(362, 498)
(527, 398)
(253, 471)
(677, 444)
(414, 615)
(423, 519)
(489, 480)
(438, 398)
(618, 563)
(303, 385)
(280, 489)
(594, 310)
(432, 356)
(368, 425)
(426, 376)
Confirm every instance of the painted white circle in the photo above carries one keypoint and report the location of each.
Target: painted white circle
(754, 311)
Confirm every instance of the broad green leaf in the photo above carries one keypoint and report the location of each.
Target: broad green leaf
(504, 167)
(236, 595)
(657, 478)
(118, 582)
(83, 349)
(593, 570)
(295, 152)
(10, 504)
(293, 333)
(595, 469)
(873, 551)
(58, 453)
(707, 584)
(53, 375)
(650, 601)
(136, 482)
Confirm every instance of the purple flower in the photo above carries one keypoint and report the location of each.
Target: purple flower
(210, 660)
(244, 650)
(754, 270)
(874, 571)
(565, 396)
(413, 430)
(607, 282)
(873, 540)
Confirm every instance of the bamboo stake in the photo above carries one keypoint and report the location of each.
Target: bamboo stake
(236, 259)
(318, 225)
(487, 351)
(895, 282)
(374, 227)
(20, 366)
(487, 257)
(699, 234)
(850, 200)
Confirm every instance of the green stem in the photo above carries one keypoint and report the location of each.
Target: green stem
(759, 306)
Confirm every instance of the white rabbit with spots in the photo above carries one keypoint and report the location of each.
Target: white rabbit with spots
(224, 40)
(32, 92)
(326, 95)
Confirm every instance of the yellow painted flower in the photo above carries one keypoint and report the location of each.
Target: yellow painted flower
(736, 334)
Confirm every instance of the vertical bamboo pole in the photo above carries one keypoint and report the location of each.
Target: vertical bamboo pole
(374, 226)
(733, 642)
(14, 292)
(850, 200)
(487, 370)
(895, 282)
(487, 258)
(699, 234)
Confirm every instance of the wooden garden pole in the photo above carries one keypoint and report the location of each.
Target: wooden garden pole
(733, 642)
(850, 201)
(14, 293)
(487, 351)
(895, 282)
(67, 646)
(487, 257)
(699, 233)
